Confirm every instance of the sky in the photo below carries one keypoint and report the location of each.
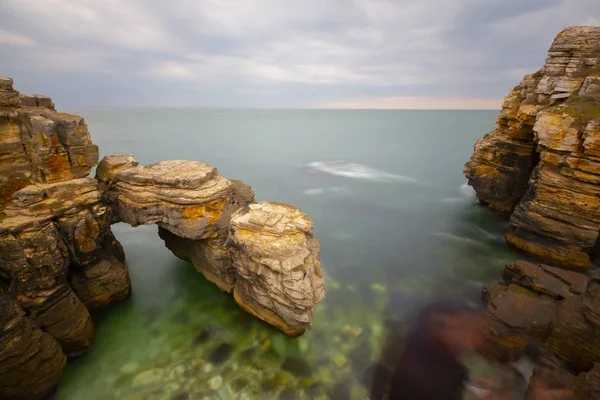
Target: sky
(280, 53)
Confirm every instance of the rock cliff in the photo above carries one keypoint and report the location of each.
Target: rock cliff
(59, 258)
(540, 164)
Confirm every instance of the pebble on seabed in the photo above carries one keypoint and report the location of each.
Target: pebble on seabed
(215, 382)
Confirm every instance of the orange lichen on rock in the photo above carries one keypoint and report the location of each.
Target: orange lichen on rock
(541, 165)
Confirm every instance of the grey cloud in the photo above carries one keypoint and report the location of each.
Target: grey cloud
(275, 53)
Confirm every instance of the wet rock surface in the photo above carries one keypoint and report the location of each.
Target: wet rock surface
(540, 163)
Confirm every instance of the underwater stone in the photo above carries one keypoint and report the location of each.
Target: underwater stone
(297, 366)
(129, 368)
(221, 354)
(147, 377)
(341, 391)
(215, 382)
(289, 394)
(378, 287)
(239, 383)
(171, 387)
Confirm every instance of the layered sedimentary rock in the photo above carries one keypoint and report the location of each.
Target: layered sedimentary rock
(276, 260)
(38, 144)
(31, 361)
(59, 258)
(552, 307)
(588, 384)
(540, 164)
(188, 200)
(265, 254)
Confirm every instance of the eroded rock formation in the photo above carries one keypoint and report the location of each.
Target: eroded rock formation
(276, 261)
(541, 163)
(265, 253)
(31, 361)
(555, 309)
(59, 258)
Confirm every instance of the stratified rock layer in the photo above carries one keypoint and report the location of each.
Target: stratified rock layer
(265, 254)
(38, 144)
(541, 163)
(59, 258)
(276, 260)
(31, 361)
(552, 307)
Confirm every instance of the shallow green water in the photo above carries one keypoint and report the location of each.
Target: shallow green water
(396, 230)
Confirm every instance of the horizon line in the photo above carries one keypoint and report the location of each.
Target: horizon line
(274, 108)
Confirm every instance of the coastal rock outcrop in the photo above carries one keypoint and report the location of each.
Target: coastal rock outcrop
(551, 307)
(276, 261)
(265, 253)
(59, 258)
(540, 164)
(31, 361)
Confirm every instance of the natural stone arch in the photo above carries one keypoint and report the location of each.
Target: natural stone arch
(264, 253)
(59, 258)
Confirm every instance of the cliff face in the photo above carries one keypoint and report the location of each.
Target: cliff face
(59, 258)
(541, 164)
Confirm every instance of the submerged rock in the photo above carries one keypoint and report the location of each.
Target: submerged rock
(297, 366)
(221, 354)
(540, 164)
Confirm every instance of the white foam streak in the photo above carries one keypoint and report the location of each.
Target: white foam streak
(357, 171)
(320, 191)
(454, 237)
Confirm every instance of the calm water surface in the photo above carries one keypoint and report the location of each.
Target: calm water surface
(397, 226)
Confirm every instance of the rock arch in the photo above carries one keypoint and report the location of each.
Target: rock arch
(59, 258)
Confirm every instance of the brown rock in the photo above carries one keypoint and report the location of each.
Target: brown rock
(104, 282)
(588, 384)
(38, 144)
(278, 272)
(574, 339)
(111, 164)
(536, 279)
(577, 282)
(212, 257)
(36, 261)
(187, 198)
(31, 361)
(541, 162)
(546, 381)
(209, 256)
(8, 96)
(591, 302)
(519, 316)
(36, 100)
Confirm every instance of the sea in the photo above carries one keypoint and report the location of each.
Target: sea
(397, 223)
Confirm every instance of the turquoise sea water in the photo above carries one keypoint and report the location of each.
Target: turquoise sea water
(396, 222)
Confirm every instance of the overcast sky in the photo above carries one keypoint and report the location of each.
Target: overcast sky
(280, 53)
